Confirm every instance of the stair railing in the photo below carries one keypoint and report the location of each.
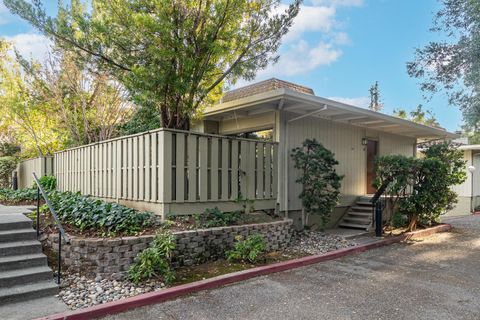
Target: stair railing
(377, 211)
(61, 231)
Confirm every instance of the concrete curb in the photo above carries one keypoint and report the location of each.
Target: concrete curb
(215, 282)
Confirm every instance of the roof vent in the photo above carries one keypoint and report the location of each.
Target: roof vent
(263, 86)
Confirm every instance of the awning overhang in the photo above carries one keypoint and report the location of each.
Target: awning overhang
(298, 103)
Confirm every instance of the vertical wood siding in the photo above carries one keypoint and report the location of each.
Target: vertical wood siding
(171, 166)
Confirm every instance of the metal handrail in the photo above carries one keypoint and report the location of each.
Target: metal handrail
(61, 231)
(377, 208)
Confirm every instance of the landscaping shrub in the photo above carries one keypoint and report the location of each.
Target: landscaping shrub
(7, 166)
(422, 187)
(85, 213)
(215, 217)
(11, 196)
(155, 260)
(248, 250)
(399, 220)
(48, 183)
(319, 179)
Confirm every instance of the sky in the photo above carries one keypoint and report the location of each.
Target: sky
(339, 48)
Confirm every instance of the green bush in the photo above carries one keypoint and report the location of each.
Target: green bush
(18, 196)
(7, 166)
(155, 260)
(85, 213)
(48, 183)
(319, 179)
(399, 220)
(212, 218)
(248, 250)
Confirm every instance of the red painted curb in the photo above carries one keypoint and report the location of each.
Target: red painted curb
(215, 282)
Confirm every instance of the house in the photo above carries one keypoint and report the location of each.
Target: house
(216, 163)
(469, 191)
(294, 113)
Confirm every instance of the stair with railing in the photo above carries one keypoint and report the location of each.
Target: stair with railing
(359, 216)
(24, 273)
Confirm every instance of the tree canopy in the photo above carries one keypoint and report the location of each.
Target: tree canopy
(173, 56)
(452, 64)
(375, 100)
(419, 115)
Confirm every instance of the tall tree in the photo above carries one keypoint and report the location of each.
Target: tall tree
(453, 65)
(173, 56)
(419, 115)
(375, 100)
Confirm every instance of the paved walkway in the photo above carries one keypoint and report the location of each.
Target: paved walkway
(437, 278)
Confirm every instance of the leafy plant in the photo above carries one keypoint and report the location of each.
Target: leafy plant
(319, 179)
(248, 205)
(155, 260)
(215, 217)
(48, 183)
(88, 213)
(248, 250)
(7, 166)
(18, 196)
(399, 220)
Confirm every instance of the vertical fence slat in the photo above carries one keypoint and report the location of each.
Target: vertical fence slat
(260, 170)
(153, 195)
(192, 168)
(224, 191)
(141, 167)
(268, 171)
(214, 170)
(234, 170)
(275, 172)
(148, 167)
(250, 169)
(180, 168)
(203, 157)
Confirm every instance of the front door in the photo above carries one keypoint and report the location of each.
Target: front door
(372, 152)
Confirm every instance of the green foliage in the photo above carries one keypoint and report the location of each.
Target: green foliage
(18, 196)
(399, 220)
(155, 260)
(319, 179)
(144, 119)
(375, 100)
(452, 64)
(9, 149)
(419, 115)
(173, 56)
(248, 250)
(422, 187)
(88, 213)
(215, 217)
(7, 166)
(48, 183)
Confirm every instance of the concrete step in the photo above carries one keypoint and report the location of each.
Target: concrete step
(15, 225)
(361, 209)
(364, 203)
(360, 214)
(20, 247)
(18, 277)
(22, 261)
(357, 220)
(353, 225)
(28, 291)
(17, 235)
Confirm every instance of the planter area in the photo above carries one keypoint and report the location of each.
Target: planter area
(110, 258)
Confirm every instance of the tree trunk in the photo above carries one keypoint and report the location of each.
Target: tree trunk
(413, 223)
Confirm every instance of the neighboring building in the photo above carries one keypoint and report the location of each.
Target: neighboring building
(293, 113)
(469, 191)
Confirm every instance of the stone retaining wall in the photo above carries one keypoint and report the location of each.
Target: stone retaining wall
(111, 257)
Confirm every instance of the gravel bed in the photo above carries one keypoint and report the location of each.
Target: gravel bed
(316, 242)
(78, 291)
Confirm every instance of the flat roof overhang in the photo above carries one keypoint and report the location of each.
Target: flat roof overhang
(299, 104)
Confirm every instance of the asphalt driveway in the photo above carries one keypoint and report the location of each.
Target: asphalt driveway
(436, 278)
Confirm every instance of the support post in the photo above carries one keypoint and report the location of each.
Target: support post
(59, 272)
(38, 212)
(378, 219)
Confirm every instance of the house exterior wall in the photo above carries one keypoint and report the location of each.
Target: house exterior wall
(464, 190)
(345, 141)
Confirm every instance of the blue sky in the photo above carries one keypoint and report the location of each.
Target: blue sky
(337, 47)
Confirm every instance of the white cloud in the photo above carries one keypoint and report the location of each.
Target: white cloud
(31, 45)
(300, 58)
(357, 102)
